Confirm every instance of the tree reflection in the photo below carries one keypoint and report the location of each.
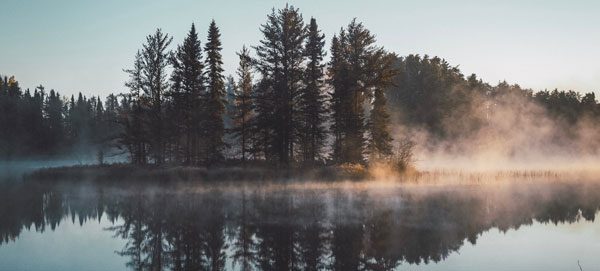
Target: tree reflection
(259, 229)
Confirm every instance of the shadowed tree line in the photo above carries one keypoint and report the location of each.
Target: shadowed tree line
(430, 93)
(287, 106)
(278, 109)
(42, 123)
(182, 110)
(255, 229)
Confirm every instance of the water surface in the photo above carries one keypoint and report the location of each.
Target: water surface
(349, 226)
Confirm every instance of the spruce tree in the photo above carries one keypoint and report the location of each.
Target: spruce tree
(379, 121)
(187, 94)
(242, 104)
(215, 103)
(155, 57)
(358, 67)
(312, 99)
(336, 74)
(381, 140)
(54, 120)
(280, 62)
(133, 135)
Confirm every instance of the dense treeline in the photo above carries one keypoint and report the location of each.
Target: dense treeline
(288, 105)
(429, 91)
(43, 124)
(430, 94)
(277, 111)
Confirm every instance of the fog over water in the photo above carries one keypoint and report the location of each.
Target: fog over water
(377, 225)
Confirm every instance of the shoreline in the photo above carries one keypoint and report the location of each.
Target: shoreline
(128, 172)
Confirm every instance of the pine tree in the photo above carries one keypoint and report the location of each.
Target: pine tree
(133, 136)
(242, 104)
(379, 120)
(229, 138)
(280, 60)
(336, 74)
(230, 92)
(54, 120)
(381, 139)
(155, 57)
(215, 103)
(357, 68)
(312, 99)
(187, 94)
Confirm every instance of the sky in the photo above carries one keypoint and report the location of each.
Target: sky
(83, 46)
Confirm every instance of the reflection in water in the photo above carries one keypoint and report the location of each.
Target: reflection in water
(172, 228)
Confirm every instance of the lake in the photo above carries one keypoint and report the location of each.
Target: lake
(302, 226)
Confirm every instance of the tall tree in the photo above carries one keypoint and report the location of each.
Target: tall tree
(280, 58)
(379, 120)
(55, 120)
(339, 102)
(312, 100)
(358, 68)
(133, 136)
(155, 57)
(380, 144)
(215, 103)
(11, 100)
(187, 93)
(242, 104)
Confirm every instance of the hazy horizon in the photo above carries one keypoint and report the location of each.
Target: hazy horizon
(73, 47)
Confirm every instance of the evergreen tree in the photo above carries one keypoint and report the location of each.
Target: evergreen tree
(358, 68)
(262, 128)
(230, 91)
(55, 121)
(312, 99)
(379, 120)
(99, 123)
(187, 93)
(280, 59)
(215, 103)
(134, 104)
(339, 101)
(155, 56)
(32, 123)
(242, 104)
(11, 112)
(381, 139)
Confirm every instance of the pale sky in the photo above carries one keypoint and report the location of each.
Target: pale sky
(74, 46)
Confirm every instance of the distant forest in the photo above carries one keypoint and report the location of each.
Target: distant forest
(286, 105)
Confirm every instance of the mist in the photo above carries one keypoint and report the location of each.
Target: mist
(465, 124)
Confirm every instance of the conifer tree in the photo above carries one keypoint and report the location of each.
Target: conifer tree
(357, 68)
(312, 99)
(133, 135)
(54, 120)
(215, 103)
(187, 94)
(379, 120)
(230, 92)
(336, 74)
(155, 57)
(280, 60)
(380, 145)
(242, 104)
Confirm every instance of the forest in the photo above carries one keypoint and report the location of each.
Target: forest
(293, 102)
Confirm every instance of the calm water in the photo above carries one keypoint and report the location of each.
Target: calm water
(67, 226)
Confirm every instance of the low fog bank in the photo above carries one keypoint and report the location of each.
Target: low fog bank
(462, 123)
(13, 170)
